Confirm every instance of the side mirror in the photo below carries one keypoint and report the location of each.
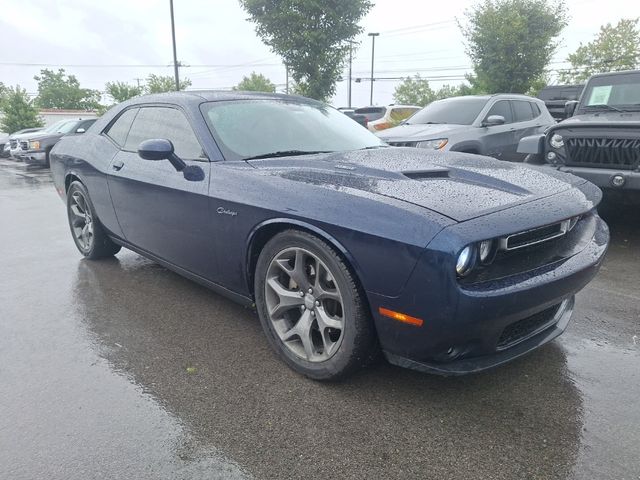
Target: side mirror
(570, 108)
(493, 120)
(160, 149)
(80, 130)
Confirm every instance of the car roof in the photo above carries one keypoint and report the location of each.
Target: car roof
(199, 96)
(609, 74)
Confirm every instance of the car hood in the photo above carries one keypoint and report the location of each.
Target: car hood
(42, 136)
(603, 118)
(458, 185)
(22, 136)
(420, 131)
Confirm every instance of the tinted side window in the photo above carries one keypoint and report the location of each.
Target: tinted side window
(164, 122)
(522, 111)
(119, 130)
(503, 109)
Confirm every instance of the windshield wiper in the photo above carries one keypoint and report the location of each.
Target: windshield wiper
(604, 105)
(287, 153)
(374, 147)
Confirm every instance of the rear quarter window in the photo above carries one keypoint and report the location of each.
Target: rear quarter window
(522, 111)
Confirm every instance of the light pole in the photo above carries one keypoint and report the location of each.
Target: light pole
(373, 52)
(175, 55)
(351, 42)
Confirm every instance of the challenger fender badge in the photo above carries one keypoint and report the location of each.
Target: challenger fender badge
(224, 211)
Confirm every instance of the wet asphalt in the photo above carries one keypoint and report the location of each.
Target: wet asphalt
(121, 369)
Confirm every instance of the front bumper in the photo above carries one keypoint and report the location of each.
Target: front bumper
(464, 326)
(32, 157)
(540, 336)
(603, 177)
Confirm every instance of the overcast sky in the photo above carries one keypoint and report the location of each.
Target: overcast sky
(98, 41)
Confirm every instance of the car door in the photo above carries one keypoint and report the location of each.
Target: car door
(498, 139)
(158, 209)
(527, 121)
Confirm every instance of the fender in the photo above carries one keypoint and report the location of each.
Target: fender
(468, 145)
(533, 144)
(330, 239)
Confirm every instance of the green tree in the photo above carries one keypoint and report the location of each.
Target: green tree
(417, 91)
(414, 91)
(59, 90)
(256, 82)
(311, 36)
(121, 91)
(511, 42)
(616, 47)
(18, 111)
(164, 83)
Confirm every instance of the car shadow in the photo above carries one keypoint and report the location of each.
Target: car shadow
(205, 359)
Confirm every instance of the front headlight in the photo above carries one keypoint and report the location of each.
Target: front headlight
(436, 144)
(464, 265)
(556, 141)
(34, 145)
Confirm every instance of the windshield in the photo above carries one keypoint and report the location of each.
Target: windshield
(60, 126)
(251, 128)
(455, 110)
(622, 90)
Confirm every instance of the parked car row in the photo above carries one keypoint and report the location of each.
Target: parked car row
(33, 145)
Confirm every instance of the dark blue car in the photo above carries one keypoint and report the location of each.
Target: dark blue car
(449, 263)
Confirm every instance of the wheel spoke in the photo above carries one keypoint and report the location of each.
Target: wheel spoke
(301, 331)
(326, 321)
(304, 332)
(287, 299)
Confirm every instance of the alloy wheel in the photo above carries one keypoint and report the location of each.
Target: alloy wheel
(304, 304)
(81, 221)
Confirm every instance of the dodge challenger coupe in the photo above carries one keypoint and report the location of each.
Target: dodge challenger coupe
(449, 263)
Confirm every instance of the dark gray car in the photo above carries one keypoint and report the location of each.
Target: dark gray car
(487, 125)
(35, 148)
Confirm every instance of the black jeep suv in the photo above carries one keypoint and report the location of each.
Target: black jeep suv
(601, 139)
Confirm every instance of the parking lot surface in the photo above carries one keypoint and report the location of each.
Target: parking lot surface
(123, 369)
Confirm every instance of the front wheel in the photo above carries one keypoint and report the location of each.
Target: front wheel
(88, 234)
(311, 309)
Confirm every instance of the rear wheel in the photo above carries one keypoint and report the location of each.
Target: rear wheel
(310, 307)
(88, 234)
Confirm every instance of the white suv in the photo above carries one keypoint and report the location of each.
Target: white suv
(380, 118)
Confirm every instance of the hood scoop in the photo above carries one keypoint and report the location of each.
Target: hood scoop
(436, 172)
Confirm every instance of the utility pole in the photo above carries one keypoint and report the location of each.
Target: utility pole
(138, 81)
(349, 84)
(286, 88)
(373, 52)
(175, 55)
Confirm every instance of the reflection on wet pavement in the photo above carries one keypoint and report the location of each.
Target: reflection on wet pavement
(122, 369)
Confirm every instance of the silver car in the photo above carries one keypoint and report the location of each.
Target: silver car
(484, 124)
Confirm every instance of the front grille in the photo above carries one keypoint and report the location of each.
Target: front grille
(13, 143)
(619, 153)
(525, 328)
(403, 144)
(24, 145)
(537, 235)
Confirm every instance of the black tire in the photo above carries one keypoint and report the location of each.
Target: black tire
(47, 161)
(358, 345)
(534, 159)
(99, 245)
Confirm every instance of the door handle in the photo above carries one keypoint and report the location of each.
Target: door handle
(117, 165)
